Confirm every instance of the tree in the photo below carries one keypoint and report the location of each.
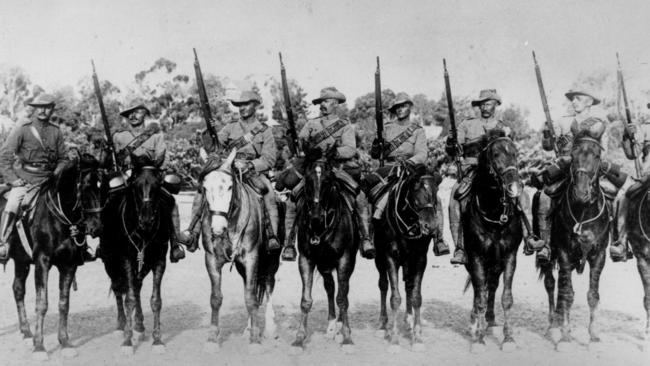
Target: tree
(16, 89)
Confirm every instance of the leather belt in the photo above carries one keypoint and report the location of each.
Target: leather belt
(37, 167)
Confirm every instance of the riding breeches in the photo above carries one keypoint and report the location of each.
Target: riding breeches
(15, 198)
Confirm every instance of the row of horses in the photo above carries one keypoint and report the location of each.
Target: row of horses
(133, 230)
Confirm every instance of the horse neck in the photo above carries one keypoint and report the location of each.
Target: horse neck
(245, 213)
(66, 192)
(488, 191)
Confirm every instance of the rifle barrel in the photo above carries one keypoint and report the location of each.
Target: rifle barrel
(379, 113)
(628, 116)
(293, 134)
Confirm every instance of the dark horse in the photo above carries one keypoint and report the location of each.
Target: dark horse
(328, 240)
(579, 234)
(67, 208)
(402, 239)
(493, 231)
(136, 232)
(234, 232)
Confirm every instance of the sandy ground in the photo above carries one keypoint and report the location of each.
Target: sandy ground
(186, 316)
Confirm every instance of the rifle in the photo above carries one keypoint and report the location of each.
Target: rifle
(205, 102)
(542, 94)
(102, 112)
(379, 114)
(628, 117)
(453, 132)
(293, 134)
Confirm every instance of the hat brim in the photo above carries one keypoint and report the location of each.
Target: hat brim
(320, 100)
(476, 103)
(126, 113)
(238, 103)
(399, 103)
(51, 104)
(570, 96)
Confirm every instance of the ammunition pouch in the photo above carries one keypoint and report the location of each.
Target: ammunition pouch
(172, 183)
(116, 182)
(609, 189)
(465, 185)
(613, 174)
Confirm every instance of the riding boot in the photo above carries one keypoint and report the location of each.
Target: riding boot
(456, 233)
(193, 231)
(544, 254)
(176, 238)
(363, 210)
(439, 245)
(618, 251)
(272, 210)
(289, 251)
(7, 222)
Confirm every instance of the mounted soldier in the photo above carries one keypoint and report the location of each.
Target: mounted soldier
(38, 144)
(139, 138)
(404, 141)
(256, 153)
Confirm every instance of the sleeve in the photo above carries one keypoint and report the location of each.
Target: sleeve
(461, 131)
(420, 148)
(267, 157)
(305, 132)
(7, 153)
(348, 147)
(604, 141)
(61, 153)
(224, 135)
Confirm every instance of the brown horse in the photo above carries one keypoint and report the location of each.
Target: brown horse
(579, 234)
(233, 231)
(67, 208)
(402, 239)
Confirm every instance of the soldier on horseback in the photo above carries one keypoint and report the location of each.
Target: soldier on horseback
(38, 144)
(139, 138)
(323, 134)
(256, 154)
(584, 122)
(405, 141)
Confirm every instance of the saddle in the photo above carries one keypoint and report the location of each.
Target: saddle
(395, 217)
(638, 188)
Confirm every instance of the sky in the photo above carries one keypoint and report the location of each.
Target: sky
(487, 44)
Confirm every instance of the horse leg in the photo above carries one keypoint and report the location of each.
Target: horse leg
(251, 261)
(409, 286)
(508, 344)
(214, 265)
(21, 271)
(156, 305)
(41, 273)
(596, 265)
(564, 299)
(416, 300)
(270, 327)
(344, 272)
(478, 324)
(66, 276)
(328, 283)
(549, 285)
(492, 285)
(129, 308)
(306, 268)
(121, 317)
(395, 301)
(643, 266)
(383, 292)
(138, 328)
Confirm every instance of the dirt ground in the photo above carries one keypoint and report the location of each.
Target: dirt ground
(446, 309)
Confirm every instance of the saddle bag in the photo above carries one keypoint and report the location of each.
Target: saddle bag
(613, 174)
(638, 187)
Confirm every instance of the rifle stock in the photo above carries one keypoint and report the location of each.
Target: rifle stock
(453, 131)
(542, 94)
(379, 114)
(102, 111)
(205, 102)
(628, 117)
(293, 134)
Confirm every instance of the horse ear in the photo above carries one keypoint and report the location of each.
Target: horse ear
(226, 165)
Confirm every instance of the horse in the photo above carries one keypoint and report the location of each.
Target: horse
(134, 243)
(234, 231)
(492, 229)
(328, 240)
(637, 218)
(67, 208)
(579, 234)
(402, 238)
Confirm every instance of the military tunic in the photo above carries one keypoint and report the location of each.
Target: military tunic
(261, 149)
(37, 159)
(154, 147)
(413, 149)
(344, 138)
(472, 130)
(566, 127)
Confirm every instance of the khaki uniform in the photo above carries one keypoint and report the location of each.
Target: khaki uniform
(154, 147)
(344, 138)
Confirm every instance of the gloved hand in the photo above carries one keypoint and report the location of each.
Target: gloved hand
(243, 165)
(629, 131)
(451, 147)
(18, 183)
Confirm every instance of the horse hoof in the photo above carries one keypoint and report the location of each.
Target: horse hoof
(554, 334)
(348, 349)
(492, 330)
(418, 348)
(211, 348)
(126, 350)
(338, 338)
(563, 347)
(380, 333)
(394, 349)
(28, 341)
(295, 350)
(118, 333)
(137, 337)
(40, 356)
(69, 352)
(478, 348)
(509, 347)
(255, 349)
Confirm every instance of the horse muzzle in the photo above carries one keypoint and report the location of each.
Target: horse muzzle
(219, 224)
(514, 189)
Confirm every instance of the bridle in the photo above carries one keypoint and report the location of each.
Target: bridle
(498, 176)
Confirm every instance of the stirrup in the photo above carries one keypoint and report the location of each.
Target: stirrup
(459, 258)
(176, 254)
(289, 253)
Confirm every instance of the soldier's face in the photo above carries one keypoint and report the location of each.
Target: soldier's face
(247, 110)
(581, 102)
(43, 113)
(487, 108)
(137, 117)
(403, 111)
(327, 106)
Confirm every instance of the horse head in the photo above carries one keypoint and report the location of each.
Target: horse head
(500, 158)
(90, 187)
(422, 198)
(218, 187)
(146, 190)
(585, 163)
(319, 185)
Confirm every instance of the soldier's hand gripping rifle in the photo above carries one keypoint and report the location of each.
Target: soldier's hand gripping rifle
(628, 117)
(547, 113)
(107, 129)
(205, 106)
(294, 145)
(379, 114)
(453, 132)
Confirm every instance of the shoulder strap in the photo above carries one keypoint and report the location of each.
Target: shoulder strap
(140, 139)
(245, 140)
(328, 131)
(401, 138)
